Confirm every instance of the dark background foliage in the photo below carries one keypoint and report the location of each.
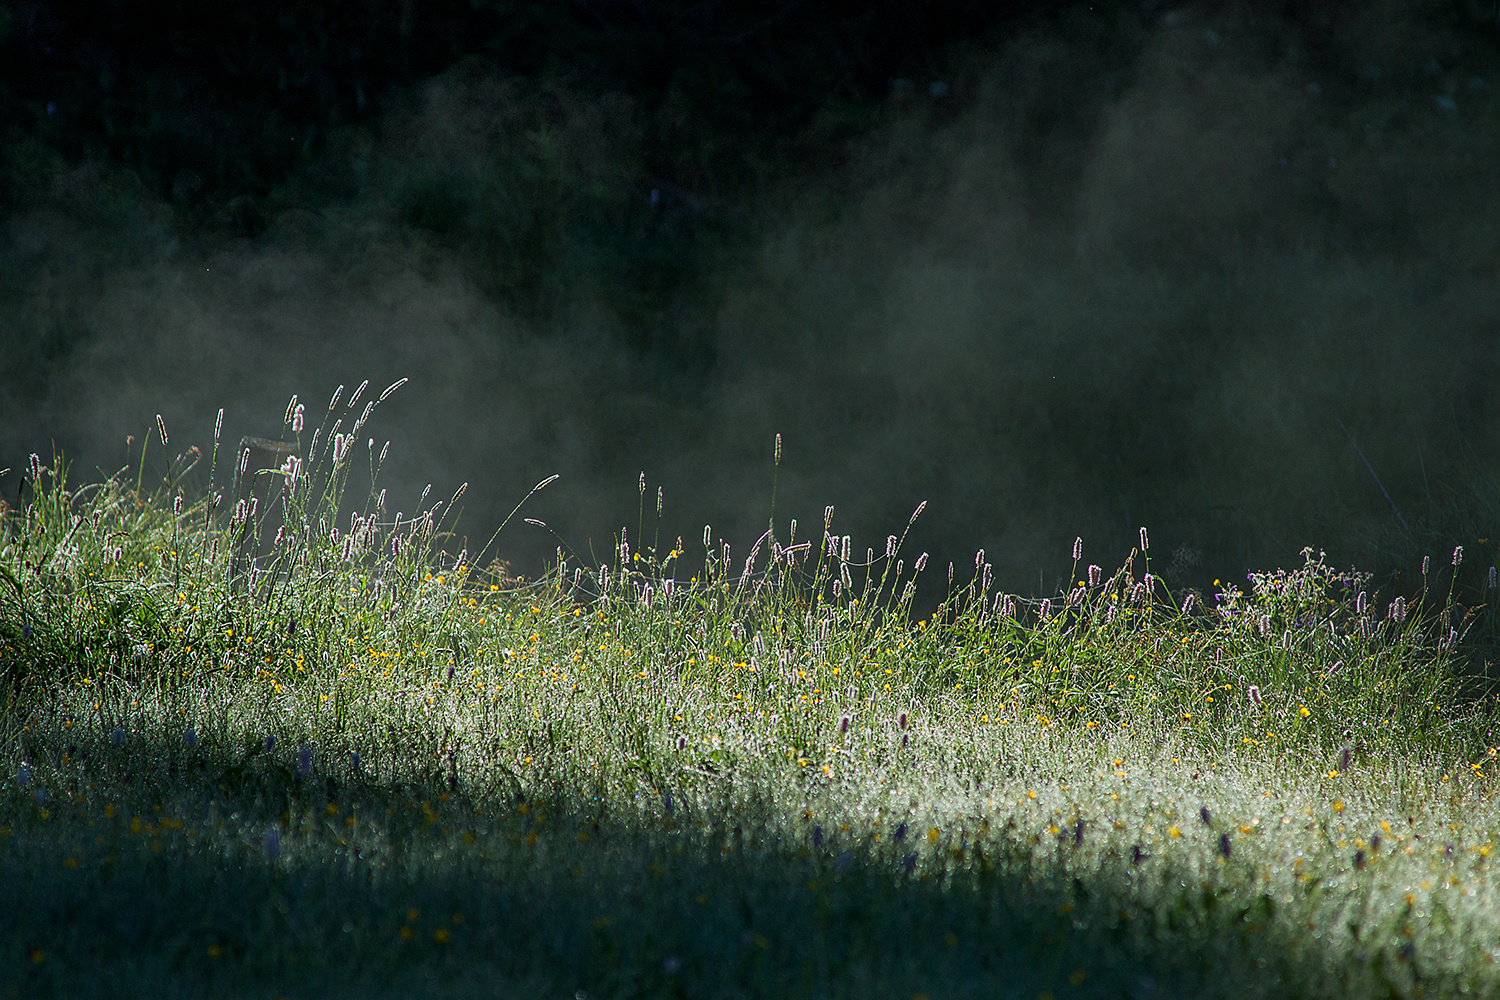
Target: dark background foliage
(218, 100)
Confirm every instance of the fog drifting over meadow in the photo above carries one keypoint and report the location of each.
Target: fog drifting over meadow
(1053, 301)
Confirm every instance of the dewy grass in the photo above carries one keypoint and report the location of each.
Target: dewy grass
(367, 768)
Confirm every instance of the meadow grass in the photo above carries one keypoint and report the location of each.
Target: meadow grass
(367, 767)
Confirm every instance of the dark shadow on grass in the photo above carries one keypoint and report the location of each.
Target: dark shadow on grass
(160, 869)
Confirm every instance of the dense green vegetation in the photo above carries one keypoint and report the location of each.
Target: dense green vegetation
(362, 767)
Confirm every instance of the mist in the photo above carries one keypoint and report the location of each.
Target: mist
(1056, 288)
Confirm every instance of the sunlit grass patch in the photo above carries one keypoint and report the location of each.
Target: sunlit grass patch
(363, 765)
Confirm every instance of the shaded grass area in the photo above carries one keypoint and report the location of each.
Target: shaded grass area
(566, 893)
(205, 872)
(365, 768)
